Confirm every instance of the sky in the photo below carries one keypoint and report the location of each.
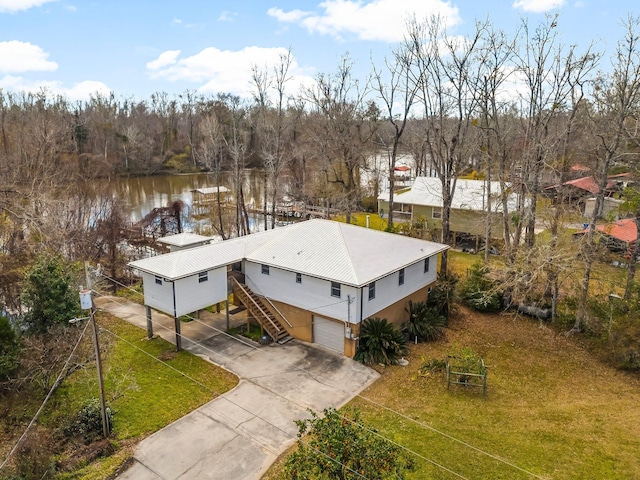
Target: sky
(134, 48)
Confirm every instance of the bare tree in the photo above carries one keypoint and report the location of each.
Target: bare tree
(398, 93)
(346, 125)
(616, 102)
(210, 154)
(235, 141)
(444, 69)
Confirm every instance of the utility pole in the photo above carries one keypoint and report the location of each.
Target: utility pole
(86, 302)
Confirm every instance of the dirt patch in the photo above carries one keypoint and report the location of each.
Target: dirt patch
(87, 454)
(168, 355)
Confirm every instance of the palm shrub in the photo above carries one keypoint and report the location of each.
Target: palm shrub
(425, 322)
(480, 292)
(442, 294)
(380, 342)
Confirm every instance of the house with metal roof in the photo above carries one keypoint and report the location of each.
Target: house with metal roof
(473, 201)
(315, 280)
(619, 236)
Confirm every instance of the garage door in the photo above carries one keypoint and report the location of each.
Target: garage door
(328, 333)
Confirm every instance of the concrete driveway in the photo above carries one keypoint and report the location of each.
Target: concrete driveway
(241, 433)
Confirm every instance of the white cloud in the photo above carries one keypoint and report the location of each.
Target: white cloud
(18, 57)
(383, 20)
(79, 91)
(70, 8)
(290, 16)
(538, 6)
(227, 16)
(17, 5)
(164, 60)
(224, 71)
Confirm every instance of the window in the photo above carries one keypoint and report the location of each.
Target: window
(335, 289)
(158, 280)
(372, 290)
(436, 212)
(426, 265)
(401, 276)
(298, 278)
(203, 277)
(265, 269)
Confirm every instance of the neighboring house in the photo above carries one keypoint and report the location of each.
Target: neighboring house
(315, 280)
(619, 236)
(580, 190)
(469, 209)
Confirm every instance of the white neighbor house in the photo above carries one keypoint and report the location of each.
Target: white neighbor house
(317, 279)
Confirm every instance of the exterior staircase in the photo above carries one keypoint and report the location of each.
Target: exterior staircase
(258, 310)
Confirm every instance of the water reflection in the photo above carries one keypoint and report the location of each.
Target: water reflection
(142, 194)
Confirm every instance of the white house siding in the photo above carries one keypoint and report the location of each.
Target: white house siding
(191, 295)
(157, 296)
(389, 292)
(313, 294)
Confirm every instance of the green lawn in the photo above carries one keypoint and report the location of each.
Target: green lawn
(552, 409)
(147, 384)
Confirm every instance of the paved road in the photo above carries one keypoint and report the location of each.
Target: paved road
(241, 433)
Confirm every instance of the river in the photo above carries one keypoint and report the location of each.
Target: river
(142, 194)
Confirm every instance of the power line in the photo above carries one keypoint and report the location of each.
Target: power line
(403, 447)
(373, 402)
(46, 399)
(221, 396)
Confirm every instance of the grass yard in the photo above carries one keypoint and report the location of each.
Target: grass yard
(552, 409)
(147, 384)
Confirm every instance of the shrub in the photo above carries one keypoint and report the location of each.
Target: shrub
(9, 348)
(340, 446)
(442, 295)
(87, 423)
(49, 295)
(425, 323)
(380, 342)
(435, 365)
(467, 360)
(35, 456)
(479, 292)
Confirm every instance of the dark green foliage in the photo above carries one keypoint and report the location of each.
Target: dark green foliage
(467, 360)
(480, 292)
(339, 446)
(9, 348)
(87, 423)
(425, 323)
(442, 294)
(380, 342)
(50, 295)
(428, 367)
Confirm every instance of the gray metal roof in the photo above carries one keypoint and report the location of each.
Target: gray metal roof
(326, 249)
(184, 239)
(468, 195)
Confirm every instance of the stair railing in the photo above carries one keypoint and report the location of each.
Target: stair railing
(255, 304)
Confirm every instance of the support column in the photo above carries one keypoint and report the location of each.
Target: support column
(178, 335)
(226, 304)
(149, 323)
